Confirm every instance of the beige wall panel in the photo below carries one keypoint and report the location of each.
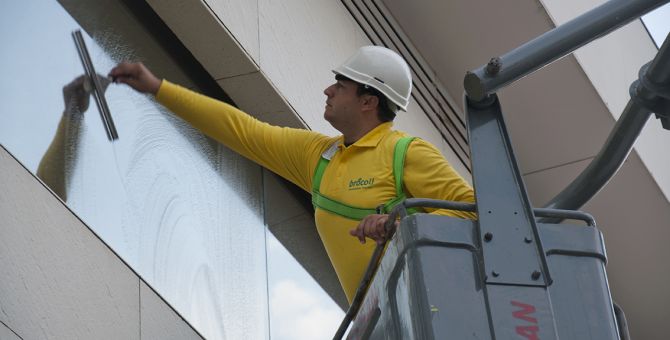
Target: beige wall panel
(634, 217)
(159, 321)
(612, 64)
(59, 281)
(301, 42)
(201, 31)
(241, 18)
(541, 109)
(544, 185)
(255, 94)
(554, 117)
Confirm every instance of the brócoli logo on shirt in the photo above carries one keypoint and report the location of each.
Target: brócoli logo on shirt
(361, 183)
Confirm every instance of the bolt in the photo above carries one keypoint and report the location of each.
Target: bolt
(536, 275)
(488, 237)
(493, 67)
(495, 273)
(527, 239)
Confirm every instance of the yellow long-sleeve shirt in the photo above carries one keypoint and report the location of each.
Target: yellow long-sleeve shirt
(359, 175)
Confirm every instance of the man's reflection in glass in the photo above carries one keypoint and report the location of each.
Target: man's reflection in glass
(55, 168)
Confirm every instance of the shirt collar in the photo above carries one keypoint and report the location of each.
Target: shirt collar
(372, 138)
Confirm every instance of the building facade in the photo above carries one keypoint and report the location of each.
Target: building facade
(199, 224)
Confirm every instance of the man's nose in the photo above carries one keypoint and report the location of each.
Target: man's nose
(328, 91)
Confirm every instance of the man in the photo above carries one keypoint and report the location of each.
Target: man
(348, 176)
(57, 162)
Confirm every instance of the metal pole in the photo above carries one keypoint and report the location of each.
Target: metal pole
(606, 163)
(370, 271)
(554, 45)
(651, 93)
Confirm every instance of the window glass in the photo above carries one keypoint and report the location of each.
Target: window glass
(184, 212)
(299, 308)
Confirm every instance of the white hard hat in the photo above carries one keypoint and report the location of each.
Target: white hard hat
(382, 69)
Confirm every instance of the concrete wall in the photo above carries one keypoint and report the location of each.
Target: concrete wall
(612, 63)
(633, 208)
(60, 281)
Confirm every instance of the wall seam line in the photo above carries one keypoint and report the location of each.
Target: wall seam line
(4, 324)
(558, 166)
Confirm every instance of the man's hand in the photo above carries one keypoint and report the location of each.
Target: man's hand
(76, 94)
(137, 76)
(372, 226)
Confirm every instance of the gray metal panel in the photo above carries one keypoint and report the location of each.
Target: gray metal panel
(429, 285)
(521, 312)
(581, 299)
(576, 256)
(572, 240)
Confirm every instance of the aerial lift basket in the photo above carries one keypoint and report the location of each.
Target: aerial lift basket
(516, 272)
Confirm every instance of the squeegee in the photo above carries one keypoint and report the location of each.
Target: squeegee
(96, 87)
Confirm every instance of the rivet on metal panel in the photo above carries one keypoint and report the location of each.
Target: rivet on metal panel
(536, 275)
(493, 67)
(495, 273)
(488, 237)
(527, 239)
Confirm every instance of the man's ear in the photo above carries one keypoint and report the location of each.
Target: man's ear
(369, 102)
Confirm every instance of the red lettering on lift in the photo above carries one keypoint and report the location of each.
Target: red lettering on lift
(528, 332)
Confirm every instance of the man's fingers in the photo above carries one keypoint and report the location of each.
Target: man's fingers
(357, 232)
(371, 229)
(371, 226)
(381, 230)
(362, 229)
(136, 76)
(124, 70)
(124, 80)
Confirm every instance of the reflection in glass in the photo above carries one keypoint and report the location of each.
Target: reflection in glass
(299, 308)
(183, 211)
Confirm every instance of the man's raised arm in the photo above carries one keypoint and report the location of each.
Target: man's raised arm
(291, 153)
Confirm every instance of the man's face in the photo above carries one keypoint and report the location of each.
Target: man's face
(343, 105)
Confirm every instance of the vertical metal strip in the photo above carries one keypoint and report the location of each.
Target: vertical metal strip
(510, 242)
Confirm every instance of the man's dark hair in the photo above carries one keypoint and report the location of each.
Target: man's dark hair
(385, 113)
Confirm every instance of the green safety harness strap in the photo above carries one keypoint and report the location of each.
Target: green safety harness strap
(355, 213)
